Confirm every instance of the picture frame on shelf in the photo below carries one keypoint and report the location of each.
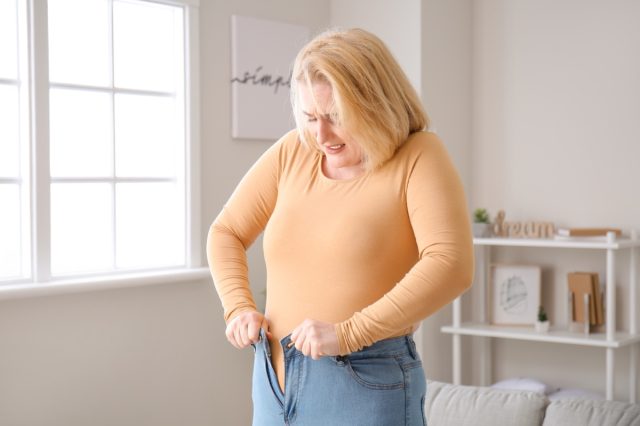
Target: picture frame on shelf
(514, 294)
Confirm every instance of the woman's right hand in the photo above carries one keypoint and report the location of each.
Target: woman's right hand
(244, 329)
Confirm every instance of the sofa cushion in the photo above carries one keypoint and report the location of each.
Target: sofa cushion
(571, 412)
(450, 405)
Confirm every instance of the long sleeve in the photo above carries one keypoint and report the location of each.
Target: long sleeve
(438, 214)
(242, 219)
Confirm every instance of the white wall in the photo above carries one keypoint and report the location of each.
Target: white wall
(556, 101)
(129, 357)
(397, 24)
(446, 92)
(447, 74)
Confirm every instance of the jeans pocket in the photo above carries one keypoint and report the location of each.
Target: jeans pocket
(377, 373)
(406, 366)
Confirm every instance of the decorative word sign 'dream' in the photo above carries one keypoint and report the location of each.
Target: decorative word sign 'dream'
(262, 55)
(529, 229)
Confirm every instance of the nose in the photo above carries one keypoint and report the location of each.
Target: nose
(324, 131)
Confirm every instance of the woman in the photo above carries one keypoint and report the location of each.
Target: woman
(366, 233)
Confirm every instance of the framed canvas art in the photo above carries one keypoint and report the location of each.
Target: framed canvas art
(514, 294)
(262, 55)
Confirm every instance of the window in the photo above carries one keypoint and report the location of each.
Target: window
(112, 155)
(14, 170)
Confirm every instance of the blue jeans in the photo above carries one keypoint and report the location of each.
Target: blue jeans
(381, 385)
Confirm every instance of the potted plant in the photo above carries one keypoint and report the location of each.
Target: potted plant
(542, 324)
(481, 223)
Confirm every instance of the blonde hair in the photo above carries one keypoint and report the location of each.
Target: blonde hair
(373, 100)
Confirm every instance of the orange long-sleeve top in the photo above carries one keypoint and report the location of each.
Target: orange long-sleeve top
(374, 255)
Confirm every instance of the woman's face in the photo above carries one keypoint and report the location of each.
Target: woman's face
(343, 155)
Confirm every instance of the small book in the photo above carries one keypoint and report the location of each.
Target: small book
(600, 239)
(587, 232)
(581, 283)
(595, 279)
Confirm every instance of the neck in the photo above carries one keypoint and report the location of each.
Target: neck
(342, 173)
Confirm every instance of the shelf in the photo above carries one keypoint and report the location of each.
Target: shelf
(619, 243)
(556, 335)
(609, 247)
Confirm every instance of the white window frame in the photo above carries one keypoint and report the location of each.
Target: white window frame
(23, 179)
(41, 282)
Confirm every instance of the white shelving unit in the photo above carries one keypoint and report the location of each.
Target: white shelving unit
(611, 339)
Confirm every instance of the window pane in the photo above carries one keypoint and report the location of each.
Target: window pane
(149, 225)
(8, 39)
(147, 143)
(9, 131)
(81, 227)
(10, 248)
(79, 41)
(80, 133)
(147, 45)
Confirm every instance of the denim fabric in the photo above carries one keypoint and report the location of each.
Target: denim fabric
(381, 385)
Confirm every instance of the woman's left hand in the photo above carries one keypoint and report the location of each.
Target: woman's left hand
(316, 339)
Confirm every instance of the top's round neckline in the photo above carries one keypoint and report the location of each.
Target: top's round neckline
(328, 179)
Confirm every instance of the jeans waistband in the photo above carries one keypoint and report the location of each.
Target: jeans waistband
(392, 346)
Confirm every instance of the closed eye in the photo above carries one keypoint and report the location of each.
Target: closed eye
(329, 118)
(310, 117)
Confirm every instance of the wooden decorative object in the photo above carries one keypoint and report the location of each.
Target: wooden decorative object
(527, 229)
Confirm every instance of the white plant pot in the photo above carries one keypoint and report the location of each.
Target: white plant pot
(481, 230)
(542, 326)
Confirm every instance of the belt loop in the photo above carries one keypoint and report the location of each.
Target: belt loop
(412, 347)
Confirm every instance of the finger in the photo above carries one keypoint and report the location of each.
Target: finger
(229, 333)
(299, 341)
(265, 327)
(233, 338)
(295, 334)
(253, 331)
(315, 353)
(244, 335)
(306, 348)
(312, 350)
(318, 350)
(238, 336)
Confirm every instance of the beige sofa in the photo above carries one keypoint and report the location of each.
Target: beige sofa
(453, 405)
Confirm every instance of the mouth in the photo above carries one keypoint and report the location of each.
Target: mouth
(334, 149)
